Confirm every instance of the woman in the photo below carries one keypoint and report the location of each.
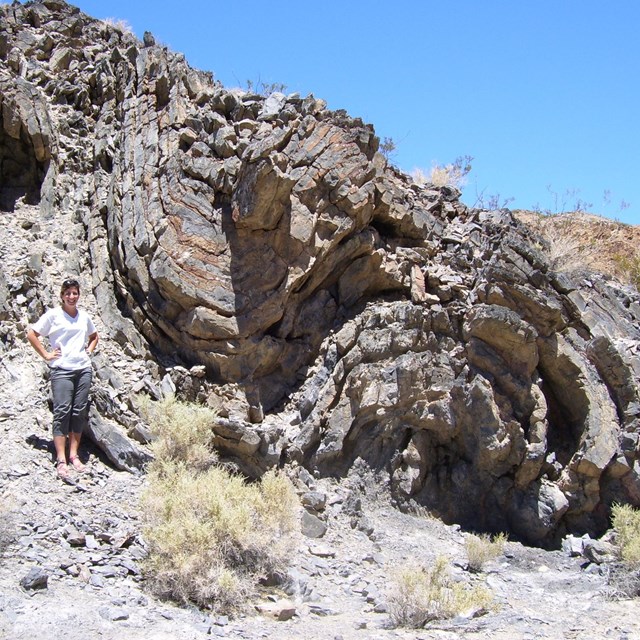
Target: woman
(73, 338)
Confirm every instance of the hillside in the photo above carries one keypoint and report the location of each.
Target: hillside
(588, 241)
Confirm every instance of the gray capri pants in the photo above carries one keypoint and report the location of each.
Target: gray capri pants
(70, 390)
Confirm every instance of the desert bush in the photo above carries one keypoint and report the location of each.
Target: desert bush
(623, 581)
(183, 431)
(212, 536)
(265, 88)
(420, 595)
(387, 147)
(626, 525)
(623, 577)
(119, 25)
(565, 250)
(453, 174)
(483, 548)
(491, 201)
(568, 201)
(629, 267)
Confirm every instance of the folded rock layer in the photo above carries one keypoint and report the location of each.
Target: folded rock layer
(363, 316)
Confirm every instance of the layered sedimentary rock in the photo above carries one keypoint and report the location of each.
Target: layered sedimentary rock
(353, 313)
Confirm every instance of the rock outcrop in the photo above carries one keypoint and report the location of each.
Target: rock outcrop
(262, 252)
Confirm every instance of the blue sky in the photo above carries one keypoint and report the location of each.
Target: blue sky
(543, 94)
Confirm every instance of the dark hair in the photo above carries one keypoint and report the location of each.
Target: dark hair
(69, 283)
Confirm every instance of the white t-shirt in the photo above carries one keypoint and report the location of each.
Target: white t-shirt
(70, 334)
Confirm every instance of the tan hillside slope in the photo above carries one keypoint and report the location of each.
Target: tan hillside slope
(581, 240)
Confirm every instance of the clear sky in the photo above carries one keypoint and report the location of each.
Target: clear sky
(543, 94)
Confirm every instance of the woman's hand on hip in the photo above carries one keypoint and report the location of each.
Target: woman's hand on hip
(53, 355)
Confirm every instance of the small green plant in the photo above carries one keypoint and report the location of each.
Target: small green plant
(626, 524)
(183, 431)
(387, 148)
(420, 595)
(482, 549)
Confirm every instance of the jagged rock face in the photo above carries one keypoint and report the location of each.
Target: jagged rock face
(364, 317)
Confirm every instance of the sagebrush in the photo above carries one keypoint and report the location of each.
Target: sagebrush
(213, 536)
(420, 595)
(483, 548)
(623, 577)
(183, 432)
(626, 525)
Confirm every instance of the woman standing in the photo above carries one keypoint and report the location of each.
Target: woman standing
(73, 338)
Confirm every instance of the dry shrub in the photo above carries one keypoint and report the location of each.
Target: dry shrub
(626, 524)
(623, 581)
(568, 253)
(212, 536)
(623, 578)
(629, 266)
(483, 548)
(119, 25)
(421, 595)
(453, 174)
(579, 241)
(183, 431)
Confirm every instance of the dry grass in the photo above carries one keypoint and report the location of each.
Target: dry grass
(568, 253)
(183, 432)
(626, 524)
(588, 241)
(482, 549)
(420, 595)
(119, 25)
(453, 174)
(211, 535)
(439, 176)
(629, 266)
(623, 578)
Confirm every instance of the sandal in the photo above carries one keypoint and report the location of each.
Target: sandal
(62, 470)
(77, 464)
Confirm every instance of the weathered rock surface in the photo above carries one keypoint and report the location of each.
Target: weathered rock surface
(262, 257)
